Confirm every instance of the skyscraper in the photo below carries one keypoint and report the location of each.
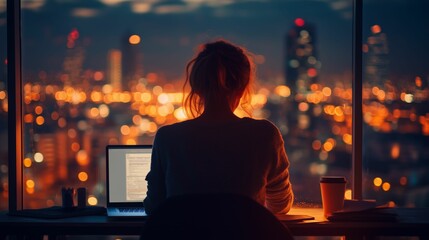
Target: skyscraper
(302, 68)
(74, 59)
(302, 64)
(376, 58)
(114, 69)
(132, 60)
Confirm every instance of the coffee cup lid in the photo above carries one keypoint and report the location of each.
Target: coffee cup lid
(332, 179)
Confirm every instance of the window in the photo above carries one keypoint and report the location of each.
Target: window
(395, 102)
(111, 72)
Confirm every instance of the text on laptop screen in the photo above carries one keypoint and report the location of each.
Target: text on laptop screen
(128, 168)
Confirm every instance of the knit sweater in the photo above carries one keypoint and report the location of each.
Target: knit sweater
(244, 156)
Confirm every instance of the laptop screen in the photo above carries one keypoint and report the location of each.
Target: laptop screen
(127, 167)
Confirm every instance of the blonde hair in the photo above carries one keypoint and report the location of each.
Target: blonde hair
(220, 70)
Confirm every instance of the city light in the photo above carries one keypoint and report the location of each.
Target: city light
(386, 186)
(130, 141)
(395, 151)
(408, 98)
(28, 118)
(303, 106)
(312, 72)
(82, 158)
(163, 98)
(318, 169)
(72, 133)
(294, 63)
(83, 176)
(327, 146)
(180, 114)
(40, 120)
(347, 139)
(376, 29)
(138, 7)
(327, 91)
(134, 39)
(30, 183)
(316, 145)
(282, 90)
(403, 181)
(323, 155)
(157, 90)
(92, 200)
(299, 22)
(38, 110)
(75, 146)
(27, 162)
(62, 122)
(125, 130)
(418, 80)
(38, 157)
(104, 110)
(377, 181)
(98, 76)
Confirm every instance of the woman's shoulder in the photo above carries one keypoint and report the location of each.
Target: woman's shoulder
(264, 129)
(262, 124)
(167, 133)
(178, 126)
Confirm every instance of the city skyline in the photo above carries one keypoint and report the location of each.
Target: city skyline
(170, 32)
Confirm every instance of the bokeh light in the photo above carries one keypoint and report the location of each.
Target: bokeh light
(386, 186)
(38, 157)
(377, 181)
(134, 39)
(83, 176)
(92, 200)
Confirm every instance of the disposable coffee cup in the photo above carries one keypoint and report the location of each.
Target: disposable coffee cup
(332, 189)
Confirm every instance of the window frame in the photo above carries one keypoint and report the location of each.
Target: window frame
(14, 86)
(357, 114)
(15, 116)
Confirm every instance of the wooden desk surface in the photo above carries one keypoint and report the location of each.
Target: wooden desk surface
(412, 222)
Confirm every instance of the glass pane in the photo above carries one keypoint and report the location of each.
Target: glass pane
(396, 109)
(3, 109)
(111, 72)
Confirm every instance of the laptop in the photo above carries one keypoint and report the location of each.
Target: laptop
(126, 186)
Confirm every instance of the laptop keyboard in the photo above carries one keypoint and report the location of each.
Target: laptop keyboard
(131, 210)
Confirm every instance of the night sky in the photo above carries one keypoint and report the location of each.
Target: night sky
(171, 30)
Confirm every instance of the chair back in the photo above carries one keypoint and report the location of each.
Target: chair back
(213, 216)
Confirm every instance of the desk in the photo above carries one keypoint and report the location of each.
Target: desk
(412, 222)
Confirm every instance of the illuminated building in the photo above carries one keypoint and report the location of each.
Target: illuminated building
(114, 69)
(302, 69)
(376, 58)
(132, 60)
(49, 160)
(74, 59)
(302, 65)
(54, 153)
